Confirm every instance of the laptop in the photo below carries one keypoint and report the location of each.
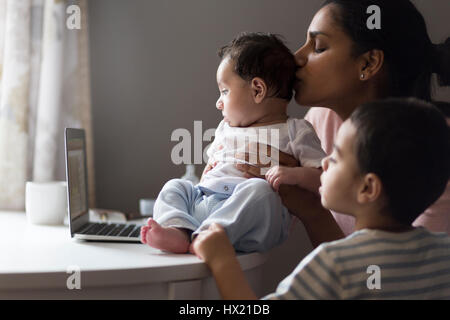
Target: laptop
(77, 197)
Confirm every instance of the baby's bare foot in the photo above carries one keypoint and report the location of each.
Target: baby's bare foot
(167, 239)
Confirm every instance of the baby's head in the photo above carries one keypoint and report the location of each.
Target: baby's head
(254, 68)
(393, 156)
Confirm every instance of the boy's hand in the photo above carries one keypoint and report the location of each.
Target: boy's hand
(279, 175)
(213, 245)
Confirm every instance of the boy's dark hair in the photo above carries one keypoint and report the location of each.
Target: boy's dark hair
(409, 54)
(406, 143)
(263, 55)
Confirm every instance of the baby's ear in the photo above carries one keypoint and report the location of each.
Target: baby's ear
(259, 89)
(370, 189)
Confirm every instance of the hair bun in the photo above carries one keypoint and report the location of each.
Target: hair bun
(441, 62)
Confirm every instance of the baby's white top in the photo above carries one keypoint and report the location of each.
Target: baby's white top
(295, 137)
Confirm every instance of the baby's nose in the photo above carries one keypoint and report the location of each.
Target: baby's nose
(219, 104)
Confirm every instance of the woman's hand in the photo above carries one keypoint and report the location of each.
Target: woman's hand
(211, 164)
(208, 167)
(256, 170)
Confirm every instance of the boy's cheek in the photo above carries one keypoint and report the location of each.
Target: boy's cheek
(323, 200)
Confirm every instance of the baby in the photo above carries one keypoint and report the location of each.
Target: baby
(255, 79)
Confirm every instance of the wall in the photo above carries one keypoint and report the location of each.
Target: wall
(153, 68)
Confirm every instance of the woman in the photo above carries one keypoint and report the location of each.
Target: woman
(342, 64)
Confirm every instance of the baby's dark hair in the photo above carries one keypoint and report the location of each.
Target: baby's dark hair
(263, 55)
(406, 143)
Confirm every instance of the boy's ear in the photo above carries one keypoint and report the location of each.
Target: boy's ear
(370, 64)
(370, 189)
(259, 89)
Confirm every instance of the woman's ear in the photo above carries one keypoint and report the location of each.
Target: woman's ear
(371, 63)
(259, 89)
(370, 189)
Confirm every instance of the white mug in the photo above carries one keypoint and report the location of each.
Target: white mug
(146, 207)
(46, 202)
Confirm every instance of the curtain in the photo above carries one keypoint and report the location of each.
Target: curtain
(44, 87)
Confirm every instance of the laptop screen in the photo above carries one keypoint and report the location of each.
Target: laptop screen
(76, 173)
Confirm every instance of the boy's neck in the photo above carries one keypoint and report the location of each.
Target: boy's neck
(379, 221)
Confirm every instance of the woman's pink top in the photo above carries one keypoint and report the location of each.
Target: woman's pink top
(326, 123)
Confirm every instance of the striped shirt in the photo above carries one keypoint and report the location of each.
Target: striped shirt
(373, 264)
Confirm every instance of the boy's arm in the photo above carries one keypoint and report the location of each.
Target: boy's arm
(231, 281)
(215, 249)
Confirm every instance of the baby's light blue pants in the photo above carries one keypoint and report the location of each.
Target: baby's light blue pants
(253, 215)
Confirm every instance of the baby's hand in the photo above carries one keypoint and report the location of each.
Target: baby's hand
(212, 245)
(279, 175)
(209, 167)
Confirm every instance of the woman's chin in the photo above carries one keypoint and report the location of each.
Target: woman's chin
(301, 101)
(300, 98)
(304, 101)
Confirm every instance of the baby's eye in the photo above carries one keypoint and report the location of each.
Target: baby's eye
(225, 91)
(331, 160)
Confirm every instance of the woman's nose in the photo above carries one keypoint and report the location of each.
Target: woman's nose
(325, 164)
(300, 57)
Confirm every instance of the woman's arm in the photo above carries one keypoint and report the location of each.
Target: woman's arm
(254, 170)
(318, 222)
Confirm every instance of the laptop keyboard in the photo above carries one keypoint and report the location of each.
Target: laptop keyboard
(112, 229)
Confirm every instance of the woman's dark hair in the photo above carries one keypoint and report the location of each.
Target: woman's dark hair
(406, 143)
(410, 56)
(263, 55)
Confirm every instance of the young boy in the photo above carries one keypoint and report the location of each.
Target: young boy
(391, 160)
(255, 79)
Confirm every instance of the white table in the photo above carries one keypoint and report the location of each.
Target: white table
(36, 261)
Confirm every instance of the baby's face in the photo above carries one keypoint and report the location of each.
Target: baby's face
(235, 101)
(341, 177)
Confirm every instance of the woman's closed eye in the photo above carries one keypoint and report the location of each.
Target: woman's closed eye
(320, 50)
(319, 46)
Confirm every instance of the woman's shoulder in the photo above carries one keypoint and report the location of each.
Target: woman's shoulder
(322, 117)
(326, 123)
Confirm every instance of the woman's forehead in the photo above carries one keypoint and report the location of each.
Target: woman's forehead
(324, 22)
